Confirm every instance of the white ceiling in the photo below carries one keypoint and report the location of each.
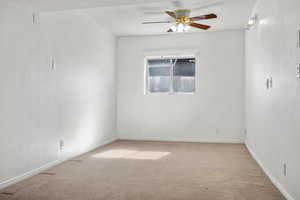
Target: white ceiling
(55, 5)
(127, 19)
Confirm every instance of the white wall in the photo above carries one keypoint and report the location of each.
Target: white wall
(217, 104)
(273, 116)
(40, 106)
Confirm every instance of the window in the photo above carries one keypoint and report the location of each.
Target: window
(170, 75)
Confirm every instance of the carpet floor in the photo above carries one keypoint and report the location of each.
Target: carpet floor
(131, 170)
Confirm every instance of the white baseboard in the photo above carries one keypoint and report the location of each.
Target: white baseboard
(38, 170)
(234, 140)
(28, 174)
(274, 180)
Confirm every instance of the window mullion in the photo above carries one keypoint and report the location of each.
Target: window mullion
(147, 79)
(172, 77)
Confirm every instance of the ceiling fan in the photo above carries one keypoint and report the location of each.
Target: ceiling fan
(181, 17)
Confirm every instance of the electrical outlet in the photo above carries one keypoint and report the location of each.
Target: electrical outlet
(61, 145)
(52, 64)
(298, 71)
(268, 83)
(35, 18)
(284, 169)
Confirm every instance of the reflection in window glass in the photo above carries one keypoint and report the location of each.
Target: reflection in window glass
(159, 77)
(171, 75)
(184, 75)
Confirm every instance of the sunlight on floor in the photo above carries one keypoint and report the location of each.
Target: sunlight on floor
(130, 154)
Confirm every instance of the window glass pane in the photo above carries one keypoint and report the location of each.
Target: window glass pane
(159, 62)
(184, 75)
(159, 79)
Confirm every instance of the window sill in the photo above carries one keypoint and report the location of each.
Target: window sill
(175, 93)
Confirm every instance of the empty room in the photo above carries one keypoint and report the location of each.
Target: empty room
(149, 100)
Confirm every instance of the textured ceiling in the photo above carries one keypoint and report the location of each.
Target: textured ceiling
(55, 5)
(126, 20)
(125, 17)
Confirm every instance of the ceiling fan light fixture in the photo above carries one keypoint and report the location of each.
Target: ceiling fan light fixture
(180, 28)
(174, 28)
(186, 28)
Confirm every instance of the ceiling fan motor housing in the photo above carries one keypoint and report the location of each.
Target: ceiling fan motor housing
(183, 13)
(183, 20)
(182, 16)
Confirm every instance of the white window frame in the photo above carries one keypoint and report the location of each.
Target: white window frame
(171, 92)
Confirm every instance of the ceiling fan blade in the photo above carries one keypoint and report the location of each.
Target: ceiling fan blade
(169, 30)
(208, 5)
(161, 22)
(172, 14)
(201, 26)
(202, 17)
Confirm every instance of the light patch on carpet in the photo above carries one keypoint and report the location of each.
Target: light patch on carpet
(148, 155)
(130, 154)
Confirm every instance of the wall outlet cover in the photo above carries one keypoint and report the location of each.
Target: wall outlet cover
(52, 64)
(35, 18)
(61, 144)
(284, 169)
(267, 83)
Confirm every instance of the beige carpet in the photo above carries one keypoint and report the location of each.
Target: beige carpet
(129, 170)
